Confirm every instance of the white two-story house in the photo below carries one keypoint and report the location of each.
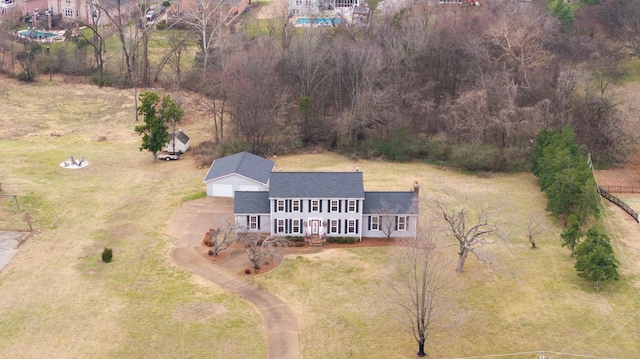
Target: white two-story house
(325, 204)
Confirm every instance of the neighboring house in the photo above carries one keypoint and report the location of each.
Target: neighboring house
(315, 8)
(239, 172)
(81, 11)
(181, 142)
(325, 204)
(26, 7)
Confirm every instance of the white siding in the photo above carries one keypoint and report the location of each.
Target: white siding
(384, 231)
(221, 190)
(237, 183)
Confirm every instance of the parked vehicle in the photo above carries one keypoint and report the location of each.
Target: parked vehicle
(168, 156)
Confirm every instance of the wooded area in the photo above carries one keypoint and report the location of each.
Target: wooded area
(468, 86)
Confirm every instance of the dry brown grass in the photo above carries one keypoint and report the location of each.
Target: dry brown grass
(530, 300)
(58, 300)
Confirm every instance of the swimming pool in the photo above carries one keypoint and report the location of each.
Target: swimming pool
(36, 33)
(321, 21)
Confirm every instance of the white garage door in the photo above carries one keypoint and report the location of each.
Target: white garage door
(222, 190)
(246, 187)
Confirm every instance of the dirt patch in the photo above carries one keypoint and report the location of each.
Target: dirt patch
(626, 176)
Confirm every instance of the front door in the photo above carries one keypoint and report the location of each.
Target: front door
(315, 226)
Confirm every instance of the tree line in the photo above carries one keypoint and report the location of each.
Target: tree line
(471, 86)
(564, 172)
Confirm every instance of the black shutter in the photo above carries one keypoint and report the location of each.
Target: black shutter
(357, 226)
(346, 226)
(309, 205)
(339, 229)
(275, 205)
(396, 223)
(300, 225)
(259, 222)
(369, 225)
(329, 203)
(320, 205)
(275, 226)
(247, 222)
(286, 226)
(339, 205)
(300, 202)
(357, 206)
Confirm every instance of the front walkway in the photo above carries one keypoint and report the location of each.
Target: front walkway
(188, 225)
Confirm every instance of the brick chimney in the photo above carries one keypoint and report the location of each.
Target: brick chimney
(416, 188)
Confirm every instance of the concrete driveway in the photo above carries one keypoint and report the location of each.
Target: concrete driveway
(9, 243)
(188, 225)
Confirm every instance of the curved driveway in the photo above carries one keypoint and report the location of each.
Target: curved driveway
(188, 225)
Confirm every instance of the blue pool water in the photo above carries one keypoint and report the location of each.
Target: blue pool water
(323, 21)
(36, 33)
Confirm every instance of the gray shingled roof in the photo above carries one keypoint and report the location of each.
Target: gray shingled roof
(316, 185)
(181, 137)
(244, 164)
(394, 202)
(251, 202)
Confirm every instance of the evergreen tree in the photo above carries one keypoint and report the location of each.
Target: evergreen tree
(595, 259)
(571, 236)
(560, 164)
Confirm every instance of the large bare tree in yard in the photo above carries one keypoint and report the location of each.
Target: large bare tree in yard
(470, 225)
(419, 287)
(262, 250)
(219, 239)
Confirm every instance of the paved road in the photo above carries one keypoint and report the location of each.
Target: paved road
(188, 226)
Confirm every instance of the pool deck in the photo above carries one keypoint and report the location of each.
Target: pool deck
(57, 36)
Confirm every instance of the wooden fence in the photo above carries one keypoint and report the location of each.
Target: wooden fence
(605, 193)
(621, 189)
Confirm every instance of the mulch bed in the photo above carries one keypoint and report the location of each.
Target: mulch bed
(223, 255)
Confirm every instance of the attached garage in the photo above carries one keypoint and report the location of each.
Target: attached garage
(240, 172)
(221, 190)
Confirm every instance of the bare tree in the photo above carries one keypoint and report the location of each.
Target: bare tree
(260, 102)
(534, 228)
(220, 239)
(207, 18)
(178, 41)
(11, 20)
(419, 287)
(469, 226)
(261, 250)
(121, 21)
(96, 38)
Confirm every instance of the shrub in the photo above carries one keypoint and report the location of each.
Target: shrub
(342, 240)
(107, 255)
(166, 3)
(477, 158)
(295, 238)
(26, 77)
